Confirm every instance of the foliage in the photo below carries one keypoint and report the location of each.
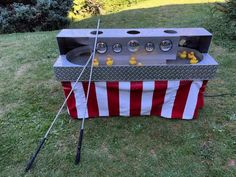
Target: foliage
(228, 8)
(116, 5)
(222, 26)
(7, 2)
(84, 8)
(222, 22)
(19, 17)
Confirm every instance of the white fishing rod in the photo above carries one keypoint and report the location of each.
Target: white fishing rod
(42, 142)
(77, 159)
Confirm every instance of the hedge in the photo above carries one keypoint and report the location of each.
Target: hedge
(42, 16)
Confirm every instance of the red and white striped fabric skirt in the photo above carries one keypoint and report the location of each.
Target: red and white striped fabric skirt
(168, 99)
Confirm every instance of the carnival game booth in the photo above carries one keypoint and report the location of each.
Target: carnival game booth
(161, 72)
(131, 72)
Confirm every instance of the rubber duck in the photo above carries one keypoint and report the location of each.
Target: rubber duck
(183, 54)
(193, 61)
(191, 55)
(193, 58)
(95, 62)
(133, 61)
(109, 61)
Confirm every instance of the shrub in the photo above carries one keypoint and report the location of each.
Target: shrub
(7, 2)
(83, 8)
(15, 20)
(18, 17)
(228, 8)
(227, 20)
(222, 22)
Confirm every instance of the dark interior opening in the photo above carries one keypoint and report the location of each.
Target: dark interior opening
(94, 32)
(170, 31)
(133, 32)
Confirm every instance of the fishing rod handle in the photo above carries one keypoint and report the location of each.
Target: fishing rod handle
(31, 161)
(77, 159)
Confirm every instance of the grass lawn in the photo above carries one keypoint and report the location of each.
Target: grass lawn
(140, 146)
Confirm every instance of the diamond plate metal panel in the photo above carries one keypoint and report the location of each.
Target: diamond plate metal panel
(137, 73)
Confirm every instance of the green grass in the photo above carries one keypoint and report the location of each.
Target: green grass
(140, 146)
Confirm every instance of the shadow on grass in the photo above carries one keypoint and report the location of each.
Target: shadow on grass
(185, 15)
(181, 15)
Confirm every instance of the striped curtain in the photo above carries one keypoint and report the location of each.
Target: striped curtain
(168, 99)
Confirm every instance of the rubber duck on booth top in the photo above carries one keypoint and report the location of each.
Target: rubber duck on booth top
(109, 61)
(191, 55)
(132, 60)
(183, 54)
(193, 58)
(96, 62)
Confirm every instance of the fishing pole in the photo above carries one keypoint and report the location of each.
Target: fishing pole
(42, 142)
(78, 153)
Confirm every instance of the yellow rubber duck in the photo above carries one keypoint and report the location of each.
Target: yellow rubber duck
(133, 61)
(109, 61)
(95, 62)
(183, 54)
(193, 60)
(191, 55)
